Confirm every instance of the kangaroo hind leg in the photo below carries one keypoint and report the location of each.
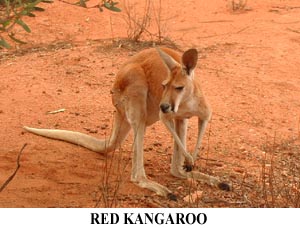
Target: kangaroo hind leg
(119, 132)
(137, 116)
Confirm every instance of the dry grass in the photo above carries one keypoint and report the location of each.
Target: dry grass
(238, 5)
(280, 176)
(276, 182)
(137, 24)
(144, 21)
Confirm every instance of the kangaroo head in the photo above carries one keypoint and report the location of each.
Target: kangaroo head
(179, 86)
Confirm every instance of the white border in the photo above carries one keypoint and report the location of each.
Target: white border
(216, 218)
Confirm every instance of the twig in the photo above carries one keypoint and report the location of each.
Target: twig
(56, 111)
(286, 7)
(216, 21)
(299, 127)
(285, 23)
(225, 34)
(209, 159)
(242, 30)
(111, 29)
(70, 3)
(15, 172)
(207, 200)
(293, 30)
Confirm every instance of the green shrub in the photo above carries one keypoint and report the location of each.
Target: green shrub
(13, 11)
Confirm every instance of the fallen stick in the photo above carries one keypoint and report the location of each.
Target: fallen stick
(15, 172)
(56, 111)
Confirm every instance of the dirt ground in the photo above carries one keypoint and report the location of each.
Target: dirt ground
(249, 69)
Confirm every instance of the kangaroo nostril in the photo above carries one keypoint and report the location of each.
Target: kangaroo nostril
(164, 107)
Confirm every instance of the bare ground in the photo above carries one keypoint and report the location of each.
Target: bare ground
(249, 70)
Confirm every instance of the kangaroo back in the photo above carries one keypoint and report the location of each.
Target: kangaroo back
(154, 84)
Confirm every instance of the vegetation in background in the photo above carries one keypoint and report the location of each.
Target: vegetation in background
(139, 22)
(13, 11)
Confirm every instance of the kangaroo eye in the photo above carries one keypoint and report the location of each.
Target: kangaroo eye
(179, 88)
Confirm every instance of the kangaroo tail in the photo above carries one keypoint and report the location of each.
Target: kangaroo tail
(119, 133)
(76, 138)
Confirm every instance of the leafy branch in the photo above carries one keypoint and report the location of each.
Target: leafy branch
(13, 11)
(108, 4)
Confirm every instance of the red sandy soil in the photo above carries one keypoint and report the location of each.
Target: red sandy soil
(249, 69)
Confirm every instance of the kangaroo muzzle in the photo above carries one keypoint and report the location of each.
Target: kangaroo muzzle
(166, 108)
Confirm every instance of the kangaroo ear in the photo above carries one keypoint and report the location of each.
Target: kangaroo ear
(189, 60)
(168, 60)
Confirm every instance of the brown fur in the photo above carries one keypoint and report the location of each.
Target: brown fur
(154, 84)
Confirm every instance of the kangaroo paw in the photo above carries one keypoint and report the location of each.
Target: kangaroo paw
(224, 186)
(172, 196)
(188, 167)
